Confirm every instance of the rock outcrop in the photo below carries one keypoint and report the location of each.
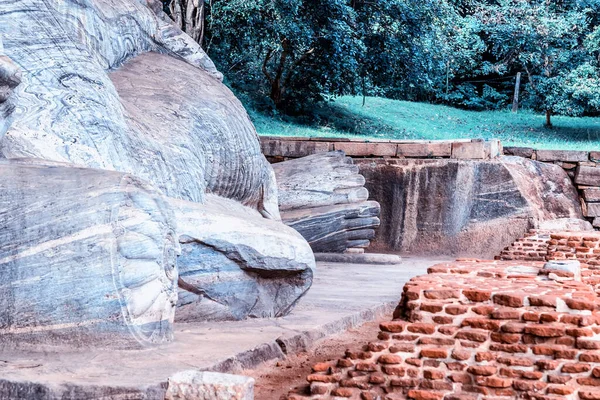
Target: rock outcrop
(88, 257)
(115, 85)
(90, 254)
(462, 207)
(236, 264)
(323, 197)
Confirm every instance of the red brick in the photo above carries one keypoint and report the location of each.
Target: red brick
(394, 370)
(342, 392)
(510, 338)
(404, 382)
(437, 294)
(431, 307)
(392, 326)
(547, 365)
(484, 356)
(433, 374)
(461, 355)
(389, 359)
(494, 382)
(575, 368)
(377, 378)
(560, 379)
(580, 304)
(590, 357)
(460, 378)
(402, 348)
(589, 395)
(545, 330)
(438, 341)
(323, 378)
(509, 348)
(376, 347)
(482, 370)
(456, 310)
(560, 390)
(478, 296)
(426, 329)
(512, 327)
(481, 323)
(515, 300)
(579, 332)
(321, 367)
(531, 317)
(424, 395)
(565, 354)
(506, 313)
(483, 310)
(434, 353)
(588, 381)
(443, 319)
(475, 335)
(515, 361)
(528, 386)
(414, 361)
(588, 344)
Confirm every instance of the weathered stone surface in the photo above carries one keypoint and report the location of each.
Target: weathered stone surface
(88, 258)
(292, 148)
(592, 210)
(323, 197)
(364, 258)
(195, 385)
(468, 150)
(366, 149)
(338, 227)
(565, 224)
(236, 264)
(464, 207)
(562, 155)
(525, 152)
(424, 150)
(589, 176)
(166, 117)
(591, 194)
(10, 78)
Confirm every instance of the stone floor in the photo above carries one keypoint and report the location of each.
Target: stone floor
(343, 296)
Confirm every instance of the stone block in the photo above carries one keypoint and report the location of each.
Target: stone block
(191, 385)
(440, 149)
(468, 150)
(592, 210)
(591, 194)
(367, 149)
(562, 155)
(589, 176)
(596, 222)
(525, 152)
(595, 156)
(493, 149)
(292, 148)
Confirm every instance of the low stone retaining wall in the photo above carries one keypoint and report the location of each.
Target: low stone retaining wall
(280, 148)
(581, 166)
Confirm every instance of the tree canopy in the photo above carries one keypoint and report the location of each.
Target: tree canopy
(290, 54)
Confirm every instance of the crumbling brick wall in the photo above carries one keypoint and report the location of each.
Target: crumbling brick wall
(478, 330)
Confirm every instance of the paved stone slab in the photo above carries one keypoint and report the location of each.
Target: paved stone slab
(292, 148)
(562, 155)
(359, 258)
(342, 296)
(441, 149)
(367, 149)
(469, 150)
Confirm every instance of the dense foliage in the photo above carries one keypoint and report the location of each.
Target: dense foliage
(289, 54)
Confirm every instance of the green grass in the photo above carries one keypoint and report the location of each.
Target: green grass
(391, 119)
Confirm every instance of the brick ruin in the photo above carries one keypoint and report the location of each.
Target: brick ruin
(473, 329)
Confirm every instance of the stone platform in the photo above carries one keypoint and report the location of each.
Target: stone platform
(342, 296)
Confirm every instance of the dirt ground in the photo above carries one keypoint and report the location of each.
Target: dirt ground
(278, 377)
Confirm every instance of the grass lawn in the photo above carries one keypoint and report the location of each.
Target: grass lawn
(391, 119)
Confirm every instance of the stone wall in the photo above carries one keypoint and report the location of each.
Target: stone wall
(580, 166)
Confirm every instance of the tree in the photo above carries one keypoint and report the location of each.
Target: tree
(292, 51)
(546, 40)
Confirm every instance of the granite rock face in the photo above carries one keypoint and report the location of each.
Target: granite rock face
(112, 84)
(470, 208)
(87, 257)
(236, 264)
(323, 197)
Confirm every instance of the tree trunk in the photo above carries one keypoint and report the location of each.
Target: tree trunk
(515, 106)
(189, 16)
(548, 121)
